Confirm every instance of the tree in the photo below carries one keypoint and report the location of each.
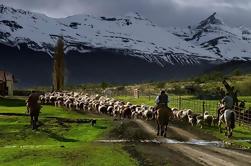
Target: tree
(160, 85)
(236, 72)
(103, 85)
(58, 65)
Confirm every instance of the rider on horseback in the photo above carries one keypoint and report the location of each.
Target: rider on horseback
(227, 103)
(161, 100)
(162, 113)
(33, 107)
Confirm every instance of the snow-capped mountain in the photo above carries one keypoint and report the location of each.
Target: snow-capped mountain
(121, 49)
(214, 35)
(133, 34)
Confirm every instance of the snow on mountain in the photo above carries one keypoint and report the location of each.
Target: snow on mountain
(214, 35)
(133, 34)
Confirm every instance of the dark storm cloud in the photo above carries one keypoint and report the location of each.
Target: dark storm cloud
(161, 12)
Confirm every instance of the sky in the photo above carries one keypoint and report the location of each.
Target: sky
(161, 12)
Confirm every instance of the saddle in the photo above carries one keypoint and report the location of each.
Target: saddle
(165, 108)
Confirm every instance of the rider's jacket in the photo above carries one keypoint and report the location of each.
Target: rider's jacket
(162, 99)
(228, 102)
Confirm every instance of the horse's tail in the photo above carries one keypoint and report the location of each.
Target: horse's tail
(232, 120)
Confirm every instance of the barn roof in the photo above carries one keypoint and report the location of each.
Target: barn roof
(2, 76)
(6, 76)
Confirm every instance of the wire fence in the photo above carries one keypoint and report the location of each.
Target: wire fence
(243, 115)
(196, 105)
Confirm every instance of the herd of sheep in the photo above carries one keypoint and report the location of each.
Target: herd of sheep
(119, 109)
(194, 119)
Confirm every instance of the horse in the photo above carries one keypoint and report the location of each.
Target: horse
(229, 118)
(126, 113)
(34, 111)
(162, 118)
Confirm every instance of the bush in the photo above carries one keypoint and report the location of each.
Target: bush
(213, 76)
(121, 88)
(236, 72)
(244, 87)
(178, 89)
(160, 85)
(104, 85)
(193, 89)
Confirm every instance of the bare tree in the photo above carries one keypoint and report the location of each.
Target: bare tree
(58, 66)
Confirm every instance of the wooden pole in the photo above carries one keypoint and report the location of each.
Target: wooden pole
(203, 108)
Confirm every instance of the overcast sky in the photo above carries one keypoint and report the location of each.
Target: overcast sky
(161, 12)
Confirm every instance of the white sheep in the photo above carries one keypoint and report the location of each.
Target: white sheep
(208, 119)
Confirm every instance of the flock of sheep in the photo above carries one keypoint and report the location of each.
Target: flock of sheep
(97, 104)
(119, 109)
(194, 119)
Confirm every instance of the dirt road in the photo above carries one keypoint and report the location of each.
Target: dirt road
(188, 154)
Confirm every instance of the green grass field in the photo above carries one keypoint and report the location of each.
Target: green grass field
(55, 142)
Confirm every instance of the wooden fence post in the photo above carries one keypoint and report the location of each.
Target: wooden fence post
(248, 119)
(136, 93)
(203, 108)
(217, 107)
(243, 119)
(239, 117)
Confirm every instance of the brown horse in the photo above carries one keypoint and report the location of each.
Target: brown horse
(126, 113)
(162, 118)
(34, 111)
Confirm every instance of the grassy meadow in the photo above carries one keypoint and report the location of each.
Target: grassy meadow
(56, 142)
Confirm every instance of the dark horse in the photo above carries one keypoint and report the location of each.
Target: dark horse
(34, 113)
(162, 118)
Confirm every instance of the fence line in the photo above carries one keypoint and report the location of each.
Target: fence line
(200, 106)
(243, 115)
(197, 105)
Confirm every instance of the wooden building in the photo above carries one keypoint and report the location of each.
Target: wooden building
(6, 83)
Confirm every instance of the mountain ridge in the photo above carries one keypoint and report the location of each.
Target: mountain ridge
(126, 33)
(228, 43)
(124, 49)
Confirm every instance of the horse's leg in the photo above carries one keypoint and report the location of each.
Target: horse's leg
(162, 128)
(36, 120)
(227, 131)
(166, 127)
(165, 131)
(157, 128)
(33, 122)
(218, 114)
(219, 124)
(230, 132)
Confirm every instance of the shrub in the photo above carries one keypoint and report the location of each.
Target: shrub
(236, 72)
(212, 76)
(160, 85)
(244, 87)
(104, 85)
